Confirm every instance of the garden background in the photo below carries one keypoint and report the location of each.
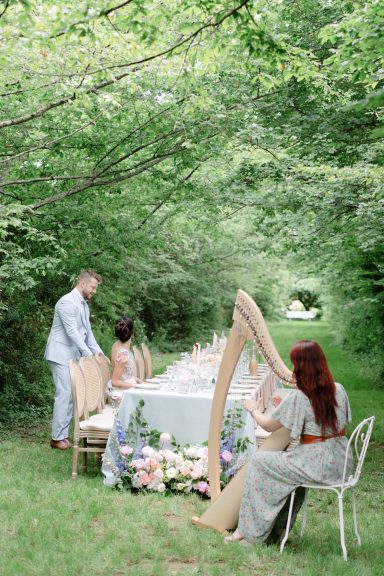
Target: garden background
(183, 150)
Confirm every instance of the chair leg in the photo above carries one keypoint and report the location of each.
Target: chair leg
(85, 456)
(288, 521)
(85, 461)
(355, 517)
(341, 519)
(75, 457)
(304, 523)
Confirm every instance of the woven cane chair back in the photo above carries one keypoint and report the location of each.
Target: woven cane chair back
(139, 362)
(94, 389)
(147, 360)
(80, 408)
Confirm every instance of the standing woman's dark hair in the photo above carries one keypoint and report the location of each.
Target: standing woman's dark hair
(314, 378)
(124, 329)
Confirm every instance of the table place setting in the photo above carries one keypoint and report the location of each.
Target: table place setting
(148, 386)
(179, 400)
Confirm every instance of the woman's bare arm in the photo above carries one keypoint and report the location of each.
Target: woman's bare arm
(264, 420)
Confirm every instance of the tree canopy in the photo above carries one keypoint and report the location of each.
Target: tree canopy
(185, 149)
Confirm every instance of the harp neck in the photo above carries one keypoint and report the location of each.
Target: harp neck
(249, 320)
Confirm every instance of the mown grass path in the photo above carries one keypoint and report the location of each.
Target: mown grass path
(51, 525)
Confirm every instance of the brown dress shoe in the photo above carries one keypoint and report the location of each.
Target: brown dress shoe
(67, 440)
(60, 444)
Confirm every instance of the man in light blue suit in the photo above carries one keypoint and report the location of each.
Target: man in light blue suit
(70, 337)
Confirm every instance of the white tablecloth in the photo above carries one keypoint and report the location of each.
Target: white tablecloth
(186, 416)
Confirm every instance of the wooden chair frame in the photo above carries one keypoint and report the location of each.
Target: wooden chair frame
(147, 360)
(139, 362)
(85, 400)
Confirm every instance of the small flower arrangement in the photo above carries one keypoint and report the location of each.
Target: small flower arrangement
(144, 459)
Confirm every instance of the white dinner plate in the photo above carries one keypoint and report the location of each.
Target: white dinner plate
(148, 386)
(243, 386)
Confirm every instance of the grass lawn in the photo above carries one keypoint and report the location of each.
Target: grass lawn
(51, 525)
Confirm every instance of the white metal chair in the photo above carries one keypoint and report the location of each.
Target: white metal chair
(358, 443)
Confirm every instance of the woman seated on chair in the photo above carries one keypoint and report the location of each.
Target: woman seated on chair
(316, 413)
(122, 360)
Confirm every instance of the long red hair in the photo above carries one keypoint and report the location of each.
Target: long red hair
(314, 378)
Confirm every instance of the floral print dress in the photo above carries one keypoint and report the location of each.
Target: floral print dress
(272, 476)
(123, 356)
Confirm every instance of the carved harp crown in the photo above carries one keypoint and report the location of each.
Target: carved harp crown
(246, 313)
(248, 324)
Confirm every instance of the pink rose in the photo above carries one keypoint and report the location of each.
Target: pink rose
(203, 487)
(165, 437)
(138, 464)
(126, 450)
(153, 463)
(145, 479)
(226, 455)
(185, 471)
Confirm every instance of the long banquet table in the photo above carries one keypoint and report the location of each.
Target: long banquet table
(186, 416)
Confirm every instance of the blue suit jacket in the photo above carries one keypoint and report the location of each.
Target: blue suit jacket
(71, 335)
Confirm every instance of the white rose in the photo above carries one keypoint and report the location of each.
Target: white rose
(191, 452)
(202, 452)
(161, 487)
(148, 451)
(196, 473)
(135, 481)
(158, 474)
(169, 455)
(171, 472)
(179, 460)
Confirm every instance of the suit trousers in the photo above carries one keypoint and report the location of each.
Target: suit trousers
(63, 405)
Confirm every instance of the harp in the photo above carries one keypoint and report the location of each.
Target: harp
(248, 324)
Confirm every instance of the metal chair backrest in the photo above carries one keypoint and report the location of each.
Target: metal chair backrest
(147, 360)
(139, 361)
(94, 389)
(78, 391)
(358, 444)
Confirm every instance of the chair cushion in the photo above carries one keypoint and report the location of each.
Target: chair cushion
(102, 424)
(103, 416)
(108, 409)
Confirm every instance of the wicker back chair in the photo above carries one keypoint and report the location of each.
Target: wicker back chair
(139, 363)
(89, 435)
(94, 389)
(105, 371)
(147, 360)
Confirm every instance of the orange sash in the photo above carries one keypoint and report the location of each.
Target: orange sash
(309, 439)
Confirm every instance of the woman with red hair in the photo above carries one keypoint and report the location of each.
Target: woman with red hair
(315, 414)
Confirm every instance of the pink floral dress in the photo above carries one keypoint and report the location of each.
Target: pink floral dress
(272, 476)
(123, 356)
